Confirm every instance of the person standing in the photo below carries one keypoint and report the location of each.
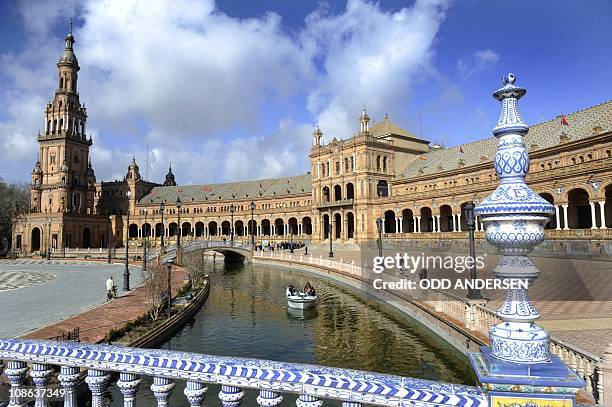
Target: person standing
(110, 285)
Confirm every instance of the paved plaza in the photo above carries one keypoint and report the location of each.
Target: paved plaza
(573, 296)
(35, 293)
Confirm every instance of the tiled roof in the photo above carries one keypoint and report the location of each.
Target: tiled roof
(544, 135)
(386, 127)
(274, 187)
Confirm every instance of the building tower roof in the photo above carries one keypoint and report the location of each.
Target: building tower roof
(68, 57)
(170, 180)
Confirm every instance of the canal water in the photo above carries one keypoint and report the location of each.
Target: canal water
(246, 315)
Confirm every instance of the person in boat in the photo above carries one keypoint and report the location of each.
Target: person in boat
(309, 289)
(291, 291)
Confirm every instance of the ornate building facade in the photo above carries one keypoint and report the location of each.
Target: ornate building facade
(381, 171)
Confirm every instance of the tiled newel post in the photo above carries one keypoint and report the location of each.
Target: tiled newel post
(518, 369)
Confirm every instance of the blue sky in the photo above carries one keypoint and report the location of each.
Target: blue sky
(231, 90)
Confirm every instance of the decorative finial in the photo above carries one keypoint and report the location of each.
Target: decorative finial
(509, 79)
(70, 30)
(510, 120)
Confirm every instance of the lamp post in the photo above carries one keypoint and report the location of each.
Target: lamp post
(126, 272)
(473, 293)
(232, 210)
(49, 240)
(331, 250)
(110, 231)
(161, 210)
(252, 208)
(169, 264)
(291, 241)
(180, 229)
(144, 249)
(379, 225)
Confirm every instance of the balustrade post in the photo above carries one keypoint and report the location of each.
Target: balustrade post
(68, 378)
(195, 393)
(268, 398)
(97, 380)
(604, 377)
(162, 388)
(351, 404)
(514, 217)
(40, 374)
(128, 386)
(231, 396)
(308, 401)
(15, 372)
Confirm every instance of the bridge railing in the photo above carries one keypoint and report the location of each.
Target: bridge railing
(272, 379)
(471, 316)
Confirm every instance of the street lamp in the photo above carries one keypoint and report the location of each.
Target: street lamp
(232, 210)
(110, 231)
(473, 293)
(169, 264)
(161, 209)
(49, 241)
(291, 241)
(180, 229)
(379, 228)
(331, 250)
(252, 207)
(126, 272)
(144, 250)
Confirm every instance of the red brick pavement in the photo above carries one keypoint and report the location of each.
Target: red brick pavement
(97, 322)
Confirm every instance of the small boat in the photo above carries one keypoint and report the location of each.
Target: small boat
(301, 301)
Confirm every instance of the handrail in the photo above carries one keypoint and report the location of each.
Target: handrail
(233, 373)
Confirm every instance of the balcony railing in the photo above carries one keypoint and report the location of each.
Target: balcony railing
(331, 204)
(311, 382)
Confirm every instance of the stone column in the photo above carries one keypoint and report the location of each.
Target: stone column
(565, 219)
(15, 373)
(40, 374)
(602, 214)
(399, 225)
(459, 222)
(231, 396)
(69, 377)
(97, 380)
(557, 218)
(593, 219)
(195, 392)
(438, 223)
(128, 386)
(417, 224)
(162, 388)
(268, 398)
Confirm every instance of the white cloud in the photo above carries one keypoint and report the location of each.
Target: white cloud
(181, 73)
(370, 57)
(477, 62)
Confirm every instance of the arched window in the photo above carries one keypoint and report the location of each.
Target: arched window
(61, 83)
(384, 166)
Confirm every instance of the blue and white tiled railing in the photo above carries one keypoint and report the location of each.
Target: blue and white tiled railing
(312, 383)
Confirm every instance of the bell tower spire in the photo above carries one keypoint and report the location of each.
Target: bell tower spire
(67, 183)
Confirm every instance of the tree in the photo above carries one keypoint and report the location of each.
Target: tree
(14, 202)
(155, 286)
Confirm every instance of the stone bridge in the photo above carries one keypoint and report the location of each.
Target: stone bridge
(232, 252)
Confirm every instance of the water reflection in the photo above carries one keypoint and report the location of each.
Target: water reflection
(247, 315)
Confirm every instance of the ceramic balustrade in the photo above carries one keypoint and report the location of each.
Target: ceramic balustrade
(312, 383)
